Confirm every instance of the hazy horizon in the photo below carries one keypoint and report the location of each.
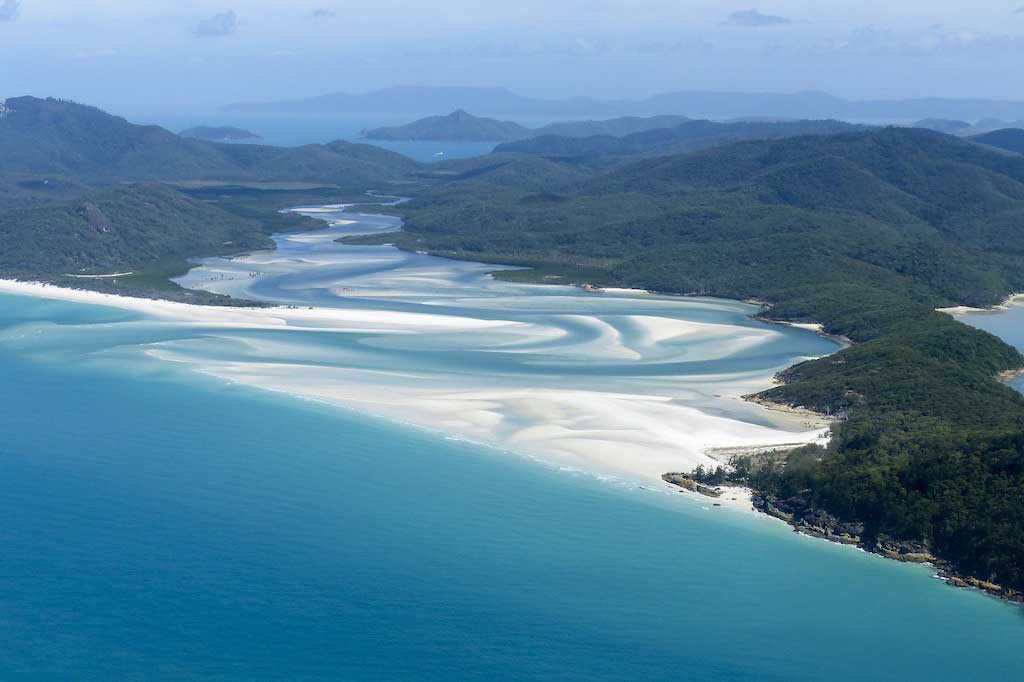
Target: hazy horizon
(200, 55)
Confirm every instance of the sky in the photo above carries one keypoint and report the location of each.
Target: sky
(185, 56)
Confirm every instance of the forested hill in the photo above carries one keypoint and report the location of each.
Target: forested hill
(105, 232)
(1010, 139)
(71, 202)
(143, 233)
(932, 217)
(62, 140)
(865, 232)
(685, 137)
(458, 126)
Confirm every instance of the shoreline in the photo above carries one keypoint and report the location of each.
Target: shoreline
(1010, 375)
(969, 310)
(1007, 376)
(736, 497)
(821, 525)
(279, 317)
(761, 316)
(585, 450)
(608, 432)
(816, 327)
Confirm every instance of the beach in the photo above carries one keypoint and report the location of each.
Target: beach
(637, 436)
(614, 383)
(1006, 304)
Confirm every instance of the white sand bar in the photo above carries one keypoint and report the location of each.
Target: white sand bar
(619, 382)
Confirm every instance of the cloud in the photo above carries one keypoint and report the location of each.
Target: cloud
(9, 10)
(222, 24)
(323, 13)
(753, 18)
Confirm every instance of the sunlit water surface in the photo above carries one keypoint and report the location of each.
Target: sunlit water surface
(164, 524)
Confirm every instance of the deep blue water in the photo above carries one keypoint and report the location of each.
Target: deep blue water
(294, 130)
(163, 526)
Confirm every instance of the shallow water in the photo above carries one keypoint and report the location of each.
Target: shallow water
(164, 524)
(625, 383)
(159, 525)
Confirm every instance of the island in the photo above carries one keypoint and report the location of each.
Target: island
(219, 134)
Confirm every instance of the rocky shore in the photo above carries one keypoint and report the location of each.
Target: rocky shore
(687, 483)
(805, 518)
(1010, 375)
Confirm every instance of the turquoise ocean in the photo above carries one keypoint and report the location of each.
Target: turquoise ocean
(164, 524)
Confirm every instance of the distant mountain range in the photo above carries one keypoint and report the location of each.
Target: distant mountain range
(964, 128)
(60, 140)
(694, 104)
(465, 127)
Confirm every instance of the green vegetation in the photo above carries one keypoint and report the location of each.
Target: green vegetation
(458, 125)
(147, 230)
(67, 208)
(63, 142)
(1010, 139)
(867, 233)
(106, 231)
(685, 137)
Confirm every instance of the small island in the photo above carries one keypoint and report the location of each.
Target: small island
(459, 126)
(219, 134)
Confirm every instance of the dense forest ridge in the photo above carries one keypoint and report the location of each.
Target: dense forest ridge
(745, 470)
(684, 137)
(1009, 139)
(60, 160)
(866, 232)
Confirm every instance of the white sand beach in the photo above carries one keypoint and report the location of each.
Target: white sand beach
(1011, 300)
(633, 435)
